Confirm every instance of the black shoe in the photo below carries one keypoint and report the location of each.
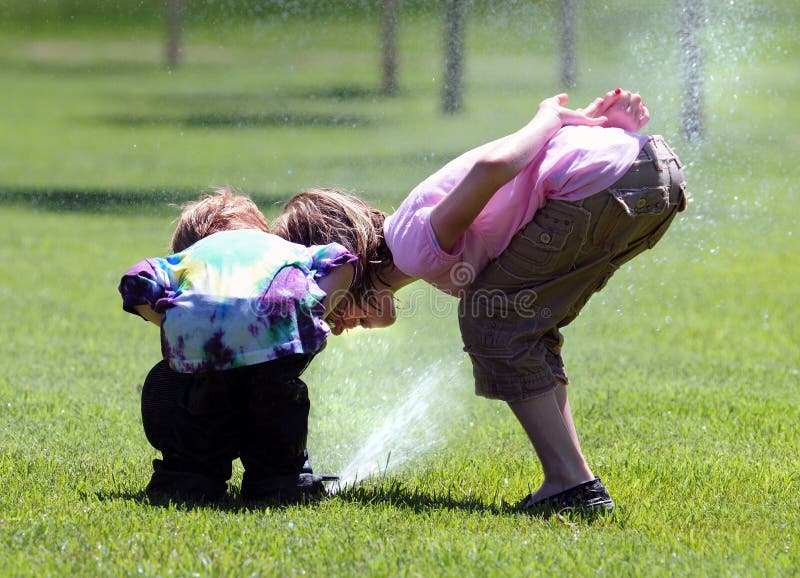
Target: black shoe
(587, 498)
(182, 487)
(287, 490)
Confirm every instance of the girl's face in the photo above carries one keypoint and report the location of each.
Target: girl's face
(380, 312)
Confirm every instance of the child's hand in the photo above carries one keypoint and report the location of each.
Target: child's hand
(602, 103)
(566, 116)
(622, 108)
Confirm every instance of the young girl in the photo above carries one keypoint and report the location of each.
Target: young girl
(242, 313)
(523, 229)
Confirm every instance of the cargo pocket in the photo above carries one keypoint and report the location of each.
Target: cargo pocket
(642, 201)
(630, 215)
(535, 253)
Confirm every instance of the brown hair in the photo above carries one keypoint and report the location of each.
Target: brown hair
(222, 210)
(322, 216)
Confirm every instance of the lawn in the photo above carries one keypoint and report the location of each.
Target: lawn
(684, 370)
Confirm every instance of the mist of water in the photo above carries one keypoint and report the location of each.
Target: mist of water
(409, 429)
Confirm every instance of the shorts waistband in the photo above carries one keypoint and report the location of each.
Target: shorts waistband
(656, 167)
(657, 151)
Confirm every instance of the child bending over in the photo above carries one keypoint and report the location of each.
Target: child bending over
(523, 229)
(242, 313)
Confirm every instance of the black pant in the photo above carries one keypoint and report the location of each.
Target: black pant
(202, 422)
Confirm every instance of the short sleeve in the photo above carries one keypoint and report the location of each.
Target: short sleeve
(145, 284)
(414, 246)
(326, 258)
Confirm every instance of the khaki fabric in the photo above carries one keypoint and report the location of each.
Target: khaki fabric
(511, 315)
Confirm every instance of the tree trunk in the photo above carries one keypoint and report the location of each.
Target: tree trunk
(174, 22)
(454, 55)
(568, 68)
(391, 9)
(691, 17)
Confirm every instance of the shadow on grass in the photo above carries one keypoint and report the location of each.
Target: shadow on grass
(230, 110)
(228, 100)
(391, 493)
(415, 500)
(125, 201)
(244, 120)
(419, 500)
(230, 503)
(388, 492)
(338, 92)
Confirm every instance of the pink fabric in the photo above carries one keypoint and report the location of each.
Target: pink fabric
(577, 162)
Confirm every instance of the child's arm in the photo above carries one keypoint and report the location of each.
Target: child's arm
(147, 312)
(497, 165)
(336, 285)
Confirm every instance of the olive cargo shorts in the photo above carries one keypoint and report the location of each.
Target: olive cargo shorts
(511, 315)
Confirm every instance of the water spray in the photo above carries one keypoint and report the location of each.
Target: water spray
(406, 432)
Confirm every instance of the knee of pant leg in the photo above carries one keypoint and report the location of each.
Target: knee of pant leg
(296, 391)
(293, 366)
(286, 393)
(275, 447)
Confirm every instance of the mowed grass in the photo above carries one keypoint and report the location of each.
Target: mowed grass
(685, 370)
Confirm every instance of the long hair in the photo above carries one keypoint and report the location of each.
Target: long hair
(322, 216)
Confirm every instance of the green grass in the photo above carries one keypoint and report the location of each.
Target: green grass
(685, 369)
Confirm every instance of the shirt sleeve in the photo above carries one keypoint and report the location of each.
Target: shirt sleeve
(326, 258)
(145, 284)
(414, 246)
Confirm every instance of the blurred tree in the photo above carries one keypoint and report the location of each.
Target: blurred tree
(568, 68)
(691, 21)
(455, 13)
(391, 9)
(174, 23)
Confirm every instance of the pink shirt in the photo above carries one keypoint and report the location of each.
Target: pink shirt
(578, 161)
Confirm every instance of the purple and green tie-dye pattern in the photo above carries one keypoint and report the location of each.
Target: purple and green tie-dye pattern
(235, 298)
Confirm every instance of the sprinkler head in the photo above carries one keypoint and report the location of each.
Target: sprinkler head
(311, 485)
(308, 479)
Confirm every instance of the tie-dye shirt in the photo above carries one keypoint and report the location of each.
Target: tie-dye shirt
(235, 298)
